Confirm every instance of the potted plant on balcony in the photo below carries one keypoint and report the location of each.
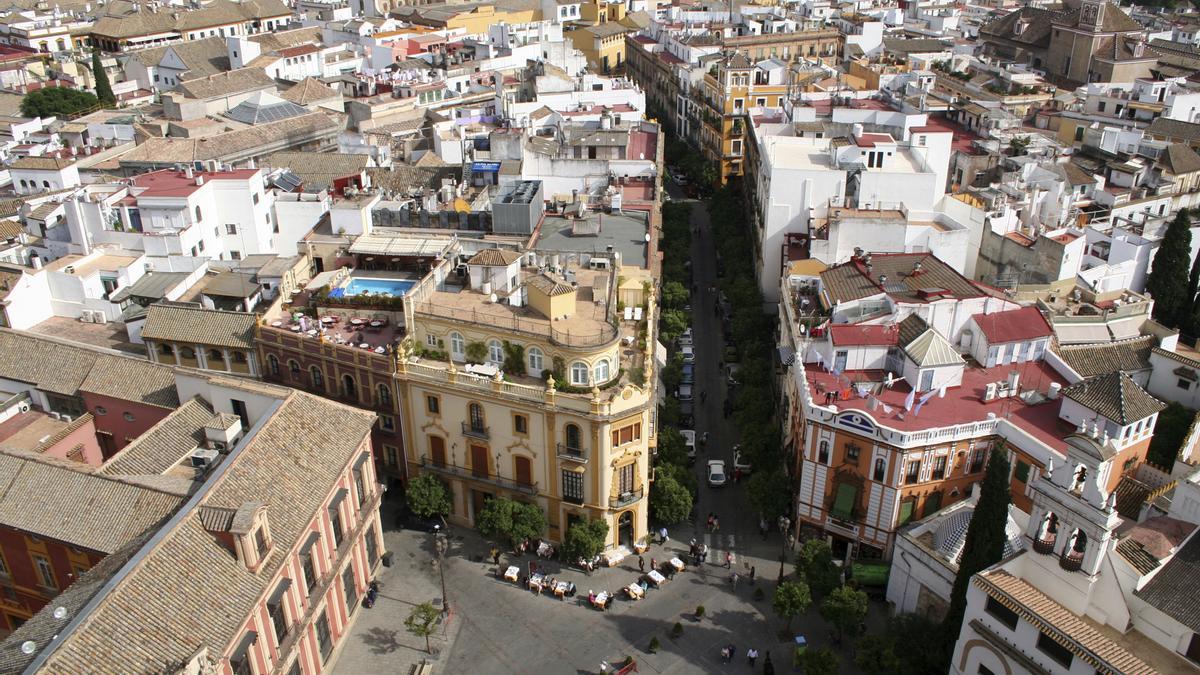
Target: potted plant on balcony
(476, 352)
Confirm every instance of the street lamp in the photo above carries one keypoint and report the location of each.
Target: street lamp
(439, 545)
(784, 525)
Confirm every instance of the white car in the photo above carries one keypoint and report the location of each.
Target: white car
(685, 392)
(689, 441)
(689, 353)
(716, 473)
(685, 341)
(687, 335)
(731, 371)
(738, 463)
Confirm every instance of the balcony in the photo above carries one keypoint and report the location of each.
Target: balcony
(475, 431)
(626, 498)
(573, 499)
(573, 454)
(479, 476)
(1044, 546)
(1071, 561)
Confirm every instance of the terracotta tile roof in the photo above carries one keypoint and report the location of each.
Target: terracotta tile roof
(218, 328)
(48, 163)
(494, 257)
(234, 144)
(851, 281)
(308, 91)
(132, 380)
(1114, 396)
(1179, 159)
(229, 82)
(1015, 325)
(188, 591)
(1060, 624)
(45, 364)
(1097, 359)
(81, 509)
(1174, 129)
(1176, 356)
(1137, 556)
(549, 285)
(164, 445)
(1173, 590)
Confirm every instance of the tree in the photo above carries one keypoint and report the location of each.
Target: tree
(585, 540)
(769, 492)
(791, 599)
(422, 622)
(876, 655)
(670, 502)
(674, 322)
(675, 295)
(845, 608)
(671, 447)
(514, 358)
(1168, 279)
(477, 352)
(427, 496)
(104, 90)
(1018, 145)
(53, 101)
(819, 662)
(1169, 432)
(814, 562)
(986, 535)
(511, 519)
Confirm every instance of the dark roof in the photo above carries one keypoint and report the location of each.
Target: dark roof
(911, 328)
(1015, 325)
(1090, 360)
(1036, 31)
(914, 45)
(151, 285)
(232, 285)
(1115, 396)
(1179, 159)
(851, 281)
(1173, 590)
(1162, 126)
(1113, 20)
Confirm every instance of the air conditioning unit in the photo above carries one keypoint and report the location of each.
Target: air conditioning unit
(218, 446)
(86, 316)
(100, 317)
(203, 457)
(23, 407)
(68, 418)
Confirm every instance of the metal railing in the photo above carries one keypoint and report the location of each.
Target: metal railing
(573, 454)
(483, 477)
(539, 328)
(1044, 546)
(475, 431)
(626, 498)
(1071, 561)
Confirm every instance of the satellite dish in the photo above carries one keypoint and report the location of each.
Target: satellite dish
(28, 647)
(60, 612)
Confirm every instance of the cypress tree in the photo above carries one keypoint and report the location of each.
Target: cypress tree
(985, 540)
(1168, 279)
(104, 90)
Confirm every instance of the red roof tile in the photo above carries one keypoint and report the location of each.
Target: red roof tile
(857, 335)
(1015, 325)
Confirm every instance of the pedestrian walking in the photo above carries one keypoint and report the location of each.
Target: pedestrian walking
(751, 655)
(732, 651)
(716, 524)
(641, 564)
(704, 553)
(733, 579)
(768, 667)
(729, 560)
(703, 395)
(653, 564)
(710, 521)
(752, 573)
(662, 536)
(725, 654)
(495, 556)
(737, 475)
(762, 528)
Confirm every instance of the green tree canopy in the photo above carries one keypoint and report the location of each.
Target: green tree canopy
(876, 655)
(814, 562)
(422, 622)
(791, 600)
(427, 496)
(680, 474)
(672, 449)
(845, 608)
(670, 502)
(511, 519)
(986, 535)
(819, 662)
(104, 90)
(53, 101)
(769, 492)
(675, 295)
(585, 539)
(674, 322)
(1169, 432)
(1168, 279)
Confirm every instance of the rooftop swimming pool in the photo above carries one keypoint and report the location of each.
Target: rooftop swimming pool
(360, 285)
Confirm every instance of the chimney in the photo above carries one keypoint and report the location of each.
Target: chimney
(200, 180)
(188, 172)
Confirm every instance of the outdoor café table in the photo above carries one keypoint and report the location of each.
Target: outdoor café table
(656, 577)
(364, 345)
(601, 599)
(277, 324)
(560, 589)
(512, 573)
(357, 322)
(635, 592)
(545, 550)
(376, 324)
(677, 564)
(327, 319)
(536, 582)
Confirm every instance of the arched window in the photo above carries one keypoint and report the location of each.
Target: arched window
(536, 362)
(495, 352)
(458, 347)
(579, 373)
(879, 469)
(167, 351)
(215, 356)
(574, 437)
(272, 364)
(385, 395)
(318, 378)
(475, 412)
(187, 353)
(349, 390)
(294, 369)
(237, 357)
(601, 371)
(198, 218)
(46, 184)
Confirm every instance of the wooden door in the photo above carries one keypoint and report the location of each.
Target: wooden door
(437, 450)
(479, 461)
(524, 470)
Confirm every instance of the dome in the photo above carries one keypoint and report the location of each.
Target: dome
(951, 535)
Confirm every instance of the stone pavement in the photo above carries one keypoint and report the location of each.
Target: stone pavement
(497, 627)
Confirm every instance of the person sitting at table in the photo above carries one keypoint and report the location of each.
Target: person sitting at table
(570, 589)
(591, 596)
(643, 584)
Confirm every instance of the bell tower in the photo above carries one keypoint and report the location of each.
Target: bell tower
(1091, 14)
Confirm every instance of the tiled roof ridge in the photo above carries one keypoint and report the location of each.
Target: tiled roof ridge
(62, 433)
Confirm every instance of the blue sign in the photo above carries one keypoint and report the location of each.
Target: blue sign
(857, 421)
(486, 167)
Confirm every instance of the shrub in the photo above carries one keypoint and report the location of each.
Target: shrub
(676, 630)
(654, 644)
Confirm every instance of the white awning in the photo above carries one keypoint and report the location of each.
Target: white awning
(384, 244)
(1081, 333)
(320, 281)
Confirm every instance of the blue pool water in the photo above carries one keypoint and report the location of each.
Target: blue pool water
(395, 287)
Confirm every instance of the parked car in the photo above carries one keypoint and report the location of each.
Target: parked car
(686, 414)
(410, 521)
(716, 473)
(685, 340)
(738, 463)
(689, 441)
(685, 392)
(689, 354)
(687, 335)
(689, 373)
(731, 371)
(731, 354)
